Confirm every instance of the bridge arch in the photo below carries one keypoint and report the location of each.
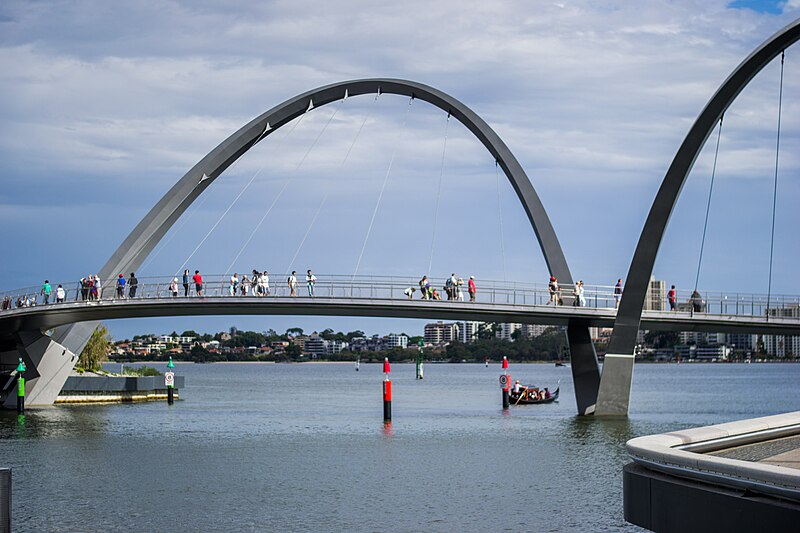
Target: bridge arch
(152, 228)
(614, 395)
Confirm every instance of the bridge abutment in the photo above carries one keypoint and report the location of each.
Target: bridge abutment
(48, 365)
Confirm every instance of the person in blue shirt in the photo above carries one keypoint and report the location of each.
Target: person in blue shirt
(121, 286)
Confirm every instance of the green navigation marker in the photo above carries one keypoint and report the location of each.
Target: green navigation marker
(169, 381)
(21, 387)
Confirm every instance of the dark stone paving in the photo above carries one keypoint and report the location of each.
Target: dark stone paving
(760, 451)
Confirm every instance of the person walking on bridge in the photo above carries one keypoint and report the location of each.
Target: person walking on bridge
(198, 283)
(292, 282)
(311, 280)
(554, 290)
(133, 284)
(263, 283)
(173, 287)
(47, 290)
(120, 286)
(672, 297)
(471, 288)
(581, 295)
(98, 287)
(186, 283)
(617, 293)
(61, 294)
(234, 287)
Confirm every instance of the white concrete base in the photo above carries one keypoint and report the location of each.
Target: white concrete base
(48, 366)
(614, 395)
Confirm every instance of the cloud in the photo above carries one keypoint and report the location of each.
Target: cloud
(106, 106)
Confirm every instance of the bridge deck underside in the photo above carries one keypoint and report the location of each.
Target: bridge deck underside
(46, 317)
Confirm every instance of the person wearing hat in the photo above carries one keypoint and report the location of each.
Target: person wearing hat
(471, 288)
(518, 388)
(554, 291)
(121, 286)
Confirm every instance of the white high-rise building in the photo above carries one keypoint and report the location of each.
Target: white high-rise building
(440, 332)
(655, 299)
(505, 331)
(468, 331)
(393, 340)
(533, 330)
(782, 345)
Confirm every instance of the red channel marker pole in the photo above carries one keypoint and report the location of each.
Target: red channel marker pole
(387, 392)
(505, 383)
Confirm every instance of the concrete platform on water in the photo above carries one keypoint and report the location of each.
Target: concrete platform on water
(116, 389)
(738, 476)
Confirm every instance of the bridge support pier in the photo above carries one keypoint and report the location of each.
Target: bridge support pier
(48, 364)
(614, 396)
(585, 368)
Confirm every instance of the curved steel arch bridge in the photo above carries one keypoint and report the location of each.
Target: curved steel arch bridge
(50, 357)
(39, 349)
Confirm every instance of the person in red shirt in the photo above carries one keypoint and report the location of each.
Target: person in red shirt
(198, 282)
(672, 296)
(471, 288)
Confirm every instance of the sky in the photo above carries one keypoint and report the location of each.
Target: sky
(105, 106)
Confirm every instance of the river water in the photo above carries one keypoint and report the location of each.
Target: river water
(302, 447)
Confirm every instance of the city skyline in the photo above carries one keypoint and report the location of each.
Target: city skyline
(580, 93)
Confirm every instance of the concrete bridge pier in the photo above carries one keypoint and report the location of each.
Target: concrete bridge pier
(48, 364)
(585, 368)
(614, 395)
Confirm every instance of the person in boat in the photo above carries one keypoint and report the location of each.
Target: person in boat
(546, 393)
(519, 388)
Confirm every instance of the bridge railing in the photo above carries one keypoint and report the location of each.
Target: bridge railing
(393, 287)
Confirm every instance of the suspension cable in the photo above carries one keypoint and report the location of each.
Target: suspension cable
(500, 218)
(210, 231)
(383, 187)
(438, 195)
(325, 198)
(708, 204)
(233, 166)
(775, 186)
(285, 184)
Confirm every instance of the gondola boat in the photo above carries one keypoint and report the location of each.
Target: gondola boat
(515, 399)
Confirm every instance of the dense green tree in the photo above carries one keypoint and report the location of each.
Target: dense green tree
(96, 350)
(294, 351)
(199, 354)
(661, 339)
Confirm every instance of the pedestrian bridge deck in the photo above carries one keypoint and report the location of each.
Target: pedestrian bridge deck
(44, 317)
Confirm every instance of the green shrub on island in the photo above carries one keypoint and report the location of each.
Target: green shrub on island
(140, 371)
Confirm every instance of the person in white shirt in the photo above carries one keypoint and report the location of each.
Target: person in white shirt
(234, 284)
(263, 282)
(292, 281)
(409, 292)
(61, 294)
(311, 279)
